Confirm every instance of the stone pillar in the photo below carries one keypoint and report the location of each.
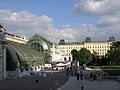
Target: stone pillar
(2, 62)
(2, 53)
(1, 58)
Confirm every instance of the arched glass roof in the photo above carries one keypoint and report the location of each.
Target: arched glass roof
(36, 38)
(27, 55)
(46, 45)
(44, 42)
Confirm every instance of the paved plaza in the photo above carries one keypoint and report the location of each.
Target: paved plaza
(74, 84)
(51, 82)
(58, 81)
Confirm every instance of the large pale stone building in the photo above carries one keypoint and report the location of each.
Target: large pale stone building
(16, 38)
(100, 47)
(62, 52)
(58, 56)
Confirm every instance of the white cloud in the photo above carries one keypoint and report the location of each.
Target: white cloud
(108, 12)
(25, 23)
(108, 21)
(96, 7)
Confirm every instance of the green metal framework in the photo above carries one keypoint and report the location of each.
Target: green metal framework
(42, 45)
(35, 53)
(24, 54)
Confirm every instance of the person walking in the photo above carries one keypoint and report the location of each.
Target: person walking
(81, 75)
(95, 76)
(78, 75)
(67, 71)
(78, 72)
(91, 76)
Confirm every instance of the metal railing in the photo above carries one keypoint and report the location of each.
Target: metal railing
(116, 78)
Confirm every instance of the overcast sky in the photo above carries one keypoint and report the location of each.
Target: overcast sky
(71, 20)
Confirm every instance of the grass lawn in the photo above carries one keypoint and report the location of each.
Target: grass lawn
(112, 70)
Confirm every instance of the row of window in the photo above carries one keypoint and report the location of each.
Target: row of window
(98, 47)
(99, 53)
(78, 48)
(97, 50)
(70, 47)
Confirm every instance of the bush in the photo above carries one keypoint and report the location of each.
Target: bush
(112, 72)
(111, 67)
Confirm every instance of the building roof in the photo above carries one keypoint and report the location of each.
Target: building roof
(24, 54)
(43, 41)
(81, 43)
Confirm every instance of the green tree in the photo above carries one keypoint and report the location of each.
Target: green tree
(116, 44)
(84, 56)
(75, 54)
(102, 61)
(94, 58)
(114, 54)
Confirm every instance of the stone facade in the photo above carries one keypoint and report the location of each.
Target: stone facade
(100, 47)
(2, 62)
(2, 55)
(57, 56)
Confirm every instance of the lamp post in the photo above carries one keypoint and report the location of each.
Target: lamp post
(2, 53)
